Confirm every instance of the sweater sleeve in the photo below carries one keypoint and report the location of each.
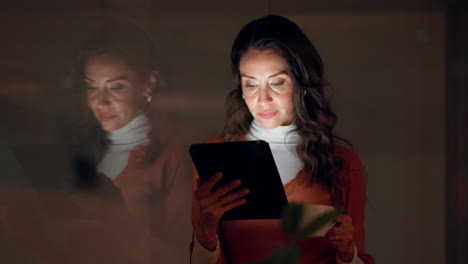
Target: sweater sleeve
(201, 255)
(355, 200)
(355, 260)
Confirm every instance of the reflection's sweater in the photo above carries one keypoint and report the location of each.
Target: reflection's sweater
(149, 225)
(156, 194)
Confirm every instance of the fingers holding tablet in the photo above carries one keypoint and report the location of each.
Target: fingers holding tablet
(222, 199)
(204, 190)
(229, 199)
(213, 205)
(223, 190)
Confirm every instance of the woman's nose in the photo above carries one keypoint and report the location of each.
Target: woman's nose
(264, 95)
(103, 99)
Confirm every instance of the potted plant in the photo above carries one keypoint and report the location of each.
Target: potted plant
(290, 224)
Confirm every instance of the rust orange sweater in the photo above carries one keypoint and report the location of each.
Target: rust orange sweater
(246, 241)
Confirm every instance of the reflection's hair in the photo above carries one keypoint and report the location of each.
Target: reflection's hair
(131, 44)
(124, 40)
(312, 113)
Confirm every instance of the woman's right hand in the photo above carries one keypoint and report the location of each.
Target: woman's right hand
(213, 205)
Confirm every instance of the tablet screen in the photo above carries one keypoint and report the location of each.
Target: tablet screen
(252, 163)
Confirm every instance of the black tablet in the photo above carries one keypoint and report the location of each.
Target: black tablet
(252, 163)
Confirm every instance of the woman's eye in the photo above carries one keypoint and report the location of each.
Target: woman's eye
(91, 89)
(116, 87)
(277, 83)
(250, 85)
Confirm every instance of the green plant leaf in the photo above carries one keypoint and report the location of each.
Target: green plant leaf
(291, 217)
(319, 222)
(289, 255)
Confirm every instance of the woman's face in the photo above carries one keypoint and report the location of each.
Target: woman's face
(267, 87)
(116, 93)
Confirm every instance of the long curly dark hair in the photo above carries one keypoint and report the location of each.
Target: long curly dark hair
(313, 116)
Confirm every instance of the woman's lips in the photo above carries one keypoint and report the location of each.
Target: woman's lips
(267, 114)
(106, 117)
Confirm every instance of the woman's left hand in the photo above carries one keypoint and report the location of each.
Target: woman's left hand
(341, 236)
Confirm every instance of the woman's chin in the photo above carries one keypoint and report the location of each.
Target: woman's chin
(109, 127)
(268, 124)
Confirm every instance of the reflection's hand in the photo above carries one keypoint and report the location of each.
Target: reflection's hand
(341, 236)
(213, 205)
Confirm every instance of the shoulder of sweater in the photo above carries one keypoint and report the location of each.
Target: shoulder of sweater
(173, 149)
(344, 153)
(349, 157)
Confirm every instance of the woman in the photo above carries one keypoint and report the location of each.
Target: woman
(280, 98)
(116, 70)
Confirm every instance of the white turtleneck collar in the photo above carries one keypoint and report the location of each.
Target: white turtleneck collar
(122, 141)
(283, 141)
(277, 135)
(133, 134)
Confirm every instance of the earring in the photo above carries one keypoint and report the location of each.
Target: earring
(243, 96)
(305, 91)
(148, 98)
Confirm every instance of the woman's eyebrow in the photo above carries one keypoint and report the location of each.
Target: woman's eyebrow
(278, 73)
(271, 76)
(247, 76)
(123, 78)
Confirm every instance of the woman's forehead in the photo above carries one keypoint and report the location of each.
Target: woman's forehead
(262, 63)
(107, 66)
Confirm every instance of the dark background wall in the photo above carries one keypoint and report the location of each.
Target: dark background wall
(386, 62)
